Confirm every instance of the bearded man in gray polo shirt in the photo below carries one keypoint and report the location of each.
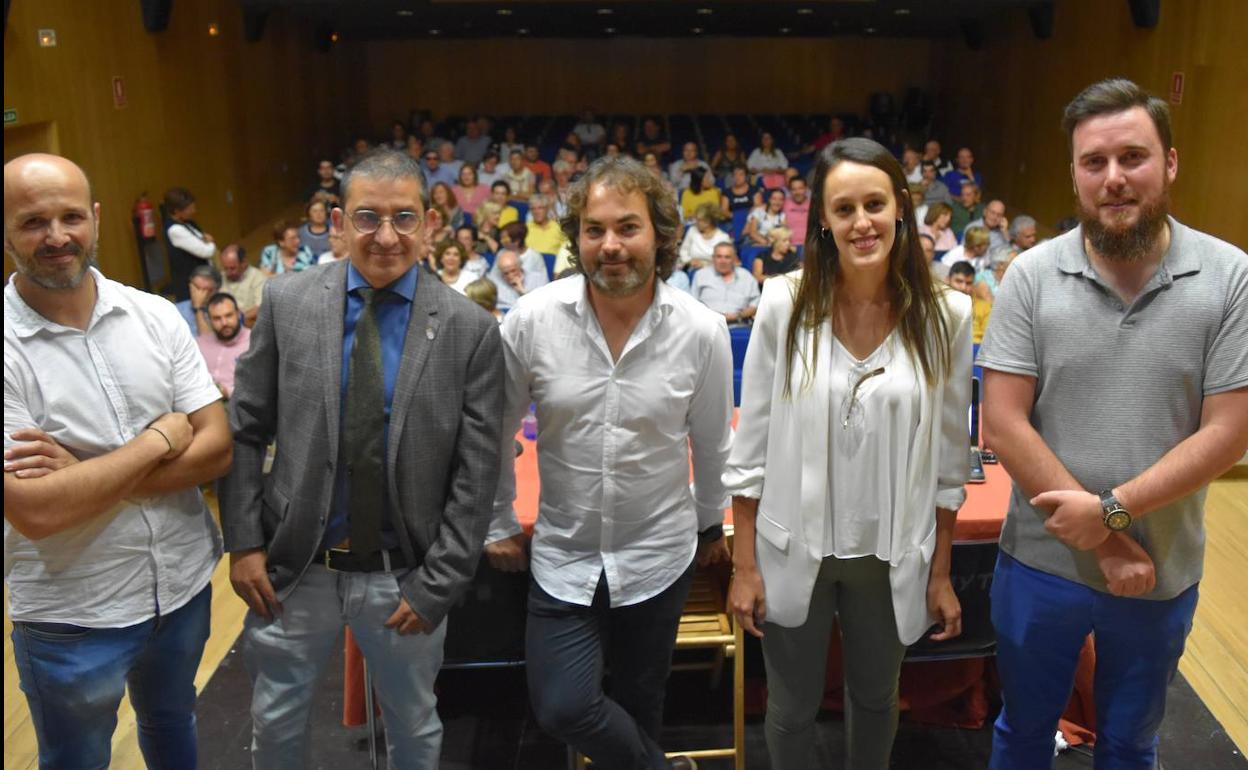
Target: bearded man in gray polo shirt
(1116, 390)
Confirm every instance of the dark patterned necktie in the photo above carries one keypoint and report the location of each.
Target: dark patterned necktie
(365, 427)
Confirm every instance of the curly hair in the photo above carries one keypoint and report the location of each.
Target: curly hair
(626, 175)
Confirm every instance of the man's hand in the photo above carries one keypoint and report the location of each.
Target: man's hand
(41, 456)
(517, 282)
(714, 552)
(508, 554)
(177, 430)
(199, 297)
(251, 582)
(209, 239)
(943, 603)
(406, 621)
(748, 599)
(1127, 567)
(1077, 519)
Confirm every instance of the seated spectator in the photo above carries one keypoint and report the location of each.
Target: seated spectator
(995, 222)
(739, 195)
(428, 134)
(398, 135)
(473, 145)
(476, 249)
(835, 132)
(229, 339)
(450, 258)
(489, 173)
(987, 281)
(653, 140)
(934, 190)
(285, 254)
(469, 192)
(611, 150)
(488, 230)
(483, 292)
(973, 248)
(910, 163)
(916, 200)
(452, 164)
(965, 209)
(931, 154)
(681, 172)
(314, 233)
(928, 244)
(963, 171)
(500, 196)
(1065, 225)
(726, 159)
(242, 281)
(533, 162)
(621, 137)
(766, 158)
(591, 133)
(337, 248)
(514, 236)
(441, 196)
(1022, 233)
(549, 189)
(797, 209)
(936, 225)
(543, 233)
(519, 178)
(702, 190)
(188, 244)
(204, 282)
(326, 183)
(763, 220)
(509, 144)
(512, 280)
(700, 240)
(780, 258)
(679, 279)
(726, 287)
(415, 148)
(961, 276)
(437, 230)
(434, 170)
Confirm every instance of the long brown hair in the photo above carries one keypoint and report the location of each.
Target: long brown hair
(921, 316)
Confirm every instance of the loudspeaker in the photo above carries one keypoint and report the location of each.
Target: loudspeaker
(253, 23)
(156, 14)
(1041, 15)
(1145, 13)
(972, 33)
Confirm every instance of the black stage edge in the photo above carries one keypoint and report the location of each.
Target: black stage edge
(488, 726)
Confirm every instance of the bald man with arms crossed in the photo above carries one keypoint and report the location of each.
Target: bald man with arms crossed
(111, 423)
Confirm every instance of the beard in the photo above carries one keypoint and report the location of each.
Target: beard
(621, 286)
(1129, 243)
(55, 279)
(228, 333)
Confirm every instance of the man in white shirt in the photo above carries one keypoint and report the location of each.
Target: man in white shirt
(681, 171)
(628, 375)
(727, 288)
(111, 423)
(188, 244)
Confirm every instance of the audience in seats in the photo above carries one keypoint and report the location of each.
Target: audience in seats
(490, 172)
(512, 280)
(727, 158)
(542, 233)
(963, 171)
(699, 242)
(434, 170)
(483, 292)
(469, 191)
(476, 248)
(965, 209)
(835, 132)
(973, 248)
(797, 209)
(781, 256)
(398, 136)
(764, 218)
(514, 236)
(449, 163)
(995, 221)
(450, 258)
(509, 145)
(739, 194)
(911, 164)
(934, 190)
(314, 233)
(936, 225)
(519, 178)
(326, 183)
(591, 133)
(204, 282)
(337, 248)
(653, 140)
(228, 339)
(701, 191)
(285, 254)
(473, 145)
(767, 159)
(189, 245)
(984, 290)
(726, 287)
(500, 197)
(961, 276)
(1023, 232)
(243, 281)
(681, 172)
(534, 163)
(931, 154)
(441, 196)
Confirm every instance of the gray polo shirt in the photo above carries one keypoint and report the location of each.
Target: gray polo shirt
(722, 296)
(1118, 387)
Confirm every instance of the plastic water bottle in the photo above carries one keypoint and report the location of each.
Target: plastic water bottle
(528, 425)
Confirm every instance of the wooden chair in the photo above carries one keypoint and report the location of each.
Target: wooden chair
(708, 623)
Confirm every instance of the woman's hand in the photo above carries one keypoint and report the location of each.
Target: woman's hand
(748, 599)
(943, 603)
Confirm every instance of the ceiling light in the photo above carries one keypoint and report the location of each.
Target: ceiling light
(503, 12)
(870, 30)
(696, 30)
(405, 12)
(705, 11)
(605, 11)
(333, 37)
(784, 30)
(47, 38)
(901, 11)
(213, 29)
(435, 32)
(610, 30)
(522, 31)
(805, 11)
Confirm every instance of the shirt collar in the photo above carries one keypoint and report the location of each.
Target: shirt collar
(27, 322)
(404, 285)
(573, 293)
(1178, 259)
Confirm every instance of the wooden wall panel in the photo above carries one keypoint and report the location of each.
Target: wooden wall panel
(239, 124)
(1006, 103)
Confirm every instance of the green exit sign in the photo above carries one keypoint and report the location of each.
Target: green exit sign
(10, 116)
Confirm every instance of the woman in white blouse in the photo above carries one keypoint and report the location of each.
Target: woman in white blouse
(849, 459)
(767, 158)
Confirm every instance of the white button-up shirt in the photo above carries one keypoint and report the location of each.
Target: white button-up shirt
(92, 392)
(614, 440)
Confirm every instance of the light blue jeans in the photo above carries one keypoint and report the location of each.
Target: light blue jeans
(74, 678)
(286, 656)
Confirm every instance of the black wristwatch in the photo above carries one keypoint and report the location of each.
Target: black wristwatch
(1113, 515)
(711, 534)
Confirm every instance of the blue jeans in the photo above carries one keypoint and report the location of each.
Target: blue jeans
(286, 656)
(1041, 622)
(567, 645)
(74, 678)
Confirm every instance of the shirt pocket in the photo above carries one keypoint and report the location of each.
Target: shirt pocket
(772, 533)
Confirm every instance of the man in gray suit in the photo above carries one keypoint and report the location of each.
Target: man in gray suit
(382, 389)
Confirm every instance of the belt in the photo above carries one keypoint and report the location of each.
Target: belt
(343, 560)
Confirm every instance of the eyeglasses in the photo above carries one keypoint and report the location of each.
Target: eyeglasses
(851, 401)
(368, 222)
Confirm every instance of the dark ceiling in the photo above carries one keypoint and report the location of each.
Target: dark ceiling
(433, 19)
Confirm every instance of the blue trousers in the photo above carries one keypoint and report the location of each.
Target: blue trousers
(1041, 621)
(567, 646)
(74, 678)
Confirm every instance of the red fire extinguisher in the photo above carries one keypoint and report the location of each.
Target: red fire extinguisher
(145, 215)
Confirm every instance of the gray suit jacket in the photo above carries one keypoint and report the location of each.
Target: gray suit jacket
(442, 457)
